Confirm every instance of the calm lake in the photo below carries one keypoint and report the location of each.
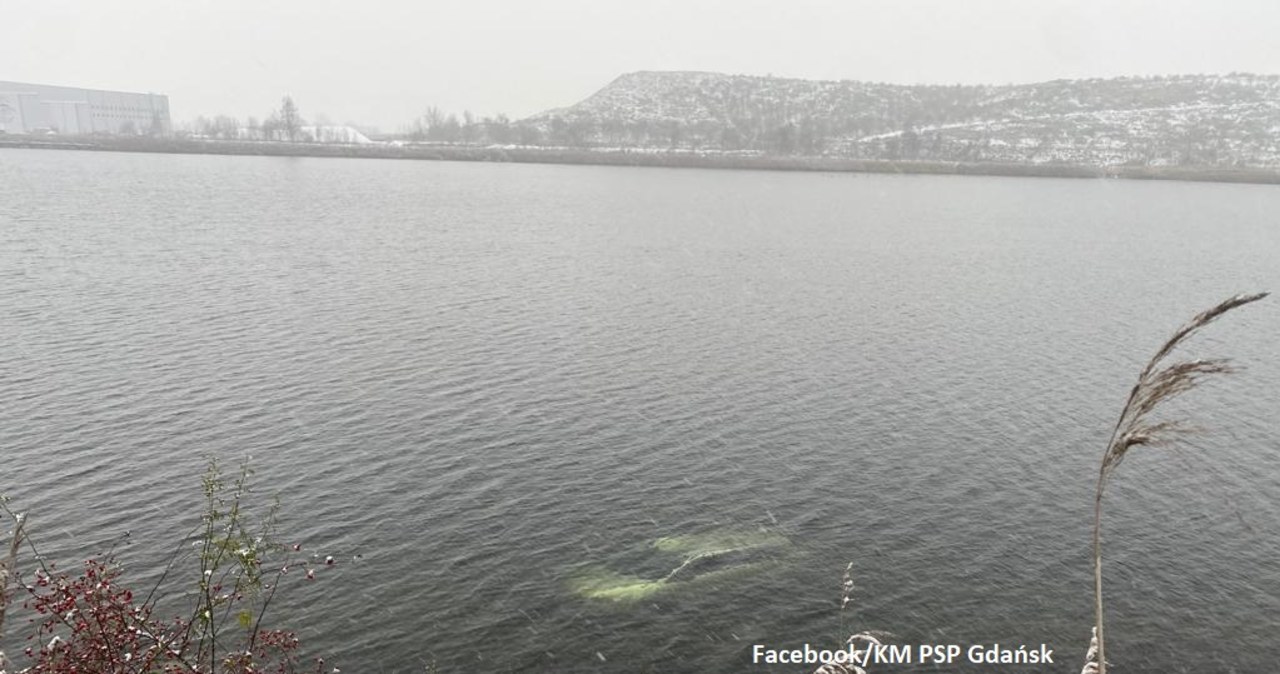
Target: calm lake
(497, 384)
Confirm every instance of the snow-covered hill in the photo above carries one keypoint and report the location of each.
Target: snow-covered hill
(1201, 120)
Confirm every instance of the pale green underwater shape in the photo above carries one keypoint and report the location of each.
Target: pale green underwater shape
(603, 583)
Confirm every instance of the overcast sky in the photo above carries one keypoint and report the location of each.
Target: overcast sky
(381, 62)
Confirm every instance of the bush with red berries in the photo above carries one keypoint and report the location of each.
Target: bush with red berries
(91, 622)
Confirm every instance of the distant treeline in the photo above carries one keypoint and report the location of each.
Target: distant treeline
(674, 159)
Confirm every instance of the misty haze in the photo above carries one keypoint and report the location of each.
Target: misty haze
(622, 337)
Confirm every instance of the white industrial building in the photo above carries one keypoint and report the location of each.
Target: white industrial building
(40, 108)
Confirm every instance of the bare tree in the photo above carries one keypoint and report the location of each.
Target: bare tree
(433, 117)
(436, 125)
(290, 119)
(499, 129)
(450, 131)
(271, 127)
(226, 127)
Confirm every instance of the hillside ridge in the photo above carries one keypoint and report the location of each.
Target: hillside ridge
(1228, 120)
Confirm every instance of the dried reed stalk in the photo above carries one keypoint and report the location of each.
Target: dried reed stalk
(6, 573)
(1156, 384)
(869, 637)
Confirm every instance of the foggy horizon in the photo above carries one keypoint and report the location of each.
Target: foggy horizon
(382, 66)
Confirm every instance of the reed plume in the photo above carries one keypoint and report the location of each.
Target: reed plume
(1157, 383)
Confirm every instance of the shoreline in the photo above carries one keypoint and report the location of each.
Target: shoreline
(638, 157)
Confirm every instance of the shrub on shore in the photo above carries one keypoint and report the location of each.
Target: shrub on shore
(90, 620)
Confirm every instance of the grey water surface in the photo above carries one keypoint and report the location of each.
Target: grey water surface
(486, 379)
